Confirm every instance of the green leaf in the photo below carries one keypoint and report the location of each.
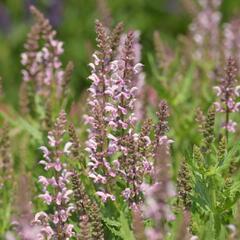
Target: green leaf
(120, 228)
(184, 90)
(125, 230)
(30, 127)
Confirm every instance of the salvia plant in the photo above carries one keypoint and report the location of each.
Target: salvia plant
(145, 155)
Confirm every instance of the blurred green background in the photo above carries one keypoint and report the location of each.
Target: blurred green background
(74, 21)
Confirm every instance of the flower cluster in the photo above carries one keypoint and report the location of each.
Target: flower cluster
(205, 29)
(43, 72)
(116, 150)
(55, 188)
(139, 80)
(101, 144)
(228, 92)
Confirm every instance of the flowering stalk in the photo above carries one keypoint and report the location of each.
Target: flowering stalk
(55, 188)
(133, 164)
(227, 92)
(157, 194)
(85, 233)
(208, 129)
(83, 206)
(184, 189)
(43, 71)
(99, 119)
(184, 186)
(96, 222)
(76, 154)
(112, 120)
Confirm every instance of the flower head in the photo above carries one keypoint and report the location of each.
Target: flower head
(56, 192)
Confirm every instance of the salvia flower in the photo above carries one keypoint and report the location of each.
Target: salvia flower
(41, 60)
(112, 100)
(138, 80)
(56, 191)
(101, 110)
(133, 163)
(227, 92)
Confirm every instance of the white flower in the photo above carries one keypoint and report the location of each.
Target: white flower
(67, 147)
